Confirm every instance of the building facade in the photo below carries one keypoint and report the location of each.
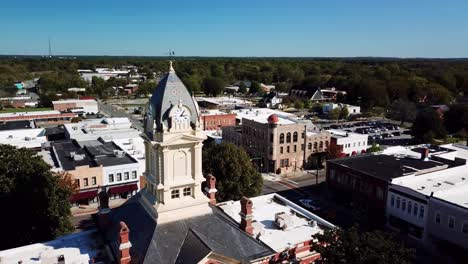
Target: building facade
(278, 144)
(215, 120)
(351, 144)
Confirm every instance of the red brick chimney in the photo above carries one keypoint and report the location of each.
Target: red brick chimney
(125, 244)
(210, 189)
(246, 215)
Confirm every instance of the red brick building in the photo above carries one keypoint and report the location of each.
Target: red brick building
(216, 120)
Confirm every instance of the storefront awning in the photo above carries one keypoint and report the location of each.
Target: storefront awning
(123, 188)
(84, 195)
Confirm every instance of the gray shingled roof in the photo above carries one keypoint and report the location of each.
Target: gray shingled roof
(165, 243)
(169, 92)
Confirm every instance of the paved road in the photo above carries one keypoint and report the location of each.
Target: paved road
(112, 111)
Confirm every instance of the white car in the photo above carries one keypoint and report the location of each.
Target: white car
(309, 204)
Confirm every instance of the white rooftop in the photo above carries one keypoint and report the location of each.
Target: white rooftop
(224, 100)
(106, 128)
(135, 147)
(449, 184)
(33, 113)
(77, 248)
(300, 229)
(23, 138)
(68, 101)
(261, 115)
(341, 134)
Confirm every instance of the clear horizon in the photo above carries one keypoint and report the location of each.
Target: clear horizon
(335, 29)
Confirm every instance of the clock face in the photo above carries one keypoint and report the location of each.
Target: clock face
(180, 115)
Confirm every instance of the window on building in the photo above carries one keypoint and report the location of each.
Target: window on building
(302, 147)
(93, 180)
(451, 222)
(302, 134)
(134, 174)
(281, 138)
(315, 145)
(326, 144)
(437, 218)
(295, 137)
(465, 228)
(421, 211)
(119, 176)
(126, 175)
(77, 182)
(281, 150)
(309, 146)
(270, 150)
(415, 210)
(287, 149)
(392, 201)
(85, 182)
(288, 137)
(410, 205)
(295, 148)
(403, 205)
(175, 194)
(111, 177)
(398, 202)
(321, 144)
(271, 137)
(187, 191)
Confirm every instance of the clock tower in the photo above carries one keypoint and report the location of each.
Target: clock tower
(173, 145)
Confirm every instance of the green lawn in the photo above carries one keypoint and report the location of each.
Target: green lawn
(12, 110)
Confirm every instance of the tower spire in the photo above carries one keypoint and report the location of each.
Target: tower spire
(171, 69)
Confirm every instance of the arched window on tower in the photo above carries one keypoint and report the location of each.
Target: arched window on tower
(281, 138)
(321, 145)
(315, 145)
(295, 137)
(288, 138)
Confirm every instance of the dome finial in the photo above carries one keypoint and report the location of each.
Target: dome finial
(170, 66)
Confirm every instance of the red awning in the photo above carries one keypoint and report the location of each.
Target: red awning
(84, 195)
(123, 188)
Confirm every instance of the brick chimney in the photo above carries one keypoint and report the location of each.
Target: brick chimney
(246, 215)
(425, 154)
(125, 244)
(210, 189)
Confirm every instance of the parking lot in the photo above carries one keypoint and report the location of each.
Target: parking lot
(382, 132)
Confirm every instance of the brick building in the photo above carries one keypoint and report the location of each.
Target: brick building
(277, 143)
(215, 120)
(362, 181)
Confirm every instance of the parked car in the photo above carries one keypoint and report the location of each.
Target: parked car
(397, 133)
(310, 204)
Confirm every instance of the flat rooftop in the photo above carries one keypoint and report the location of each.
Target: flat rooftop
(20, 124)
(23, 138)
(301, 227)
(261, 115)
(388, 167)
(224, 100)
(68, 155)
(105, 153)
(76, 248)
(336, 133)
(68, 101)
(33, 113)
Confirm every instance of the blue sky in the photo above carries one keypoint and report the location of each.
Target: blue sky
(310, 28)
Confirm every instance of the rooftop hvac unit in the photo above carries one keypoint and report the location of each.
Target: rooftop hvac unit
(27, 138)
(78, 157)
(283, 221)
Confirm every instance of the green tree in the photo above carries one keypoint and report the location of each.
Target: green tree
(456, 120)
(35, 199)
(255, 88)
(374, 148)
(334, 114)
(242, 88)
(299, 104)
(338, 246)
(402, 110)
(213, 86)
(234, 172)
(344, 112)
(428, 126)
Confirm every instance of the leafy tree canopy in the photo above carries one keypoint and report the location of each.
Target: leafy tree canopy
(338, 246)
(34, 199)
(234, 172)
(428, 126)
